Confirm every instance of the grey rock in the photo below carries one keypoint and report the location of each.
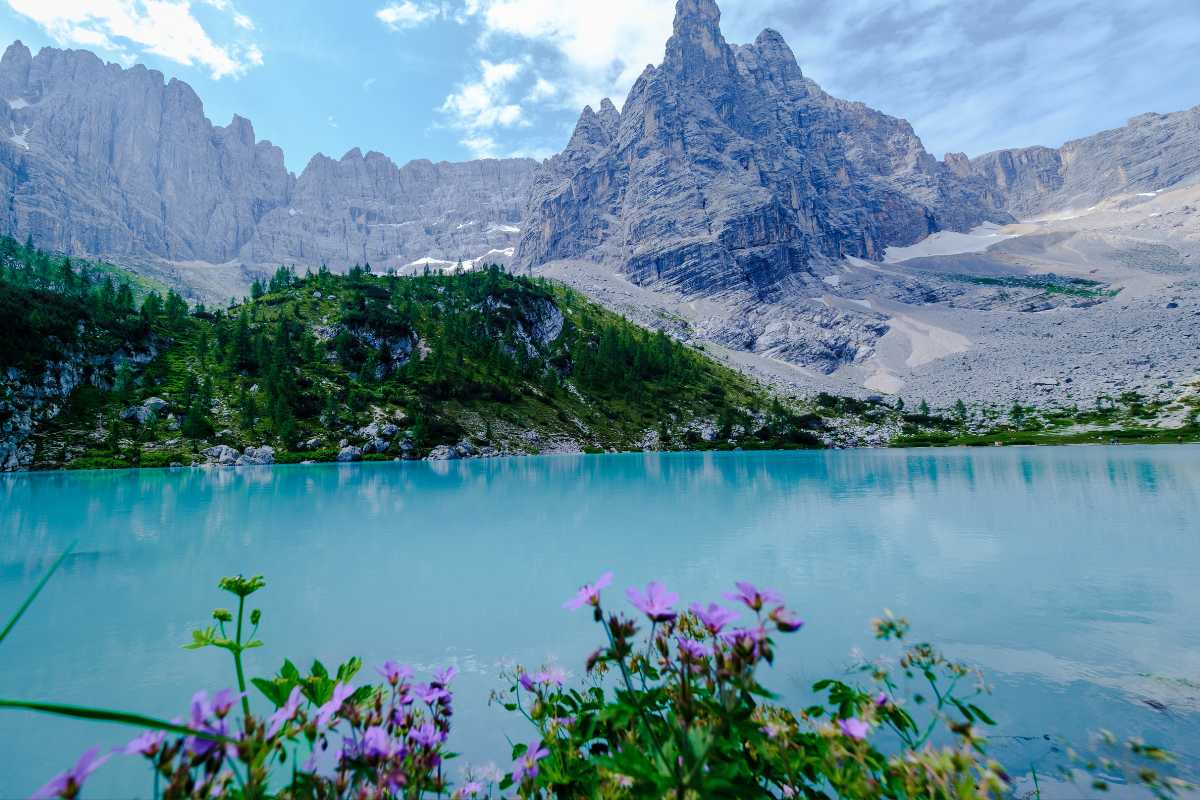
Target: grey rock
(138, 414)
(349, 453)
(261, 456)
(388, 430)
(728, 169)
(443, 453)
(222, 455)
(99, 160)
(465, 449)
(1151, 153)
(156, 404)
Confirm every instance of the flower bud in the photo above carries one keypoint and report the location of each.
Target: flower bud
(222, 615)
(256, 616)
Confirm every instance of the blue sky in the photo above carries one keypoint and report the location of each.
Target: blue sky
(456, 79)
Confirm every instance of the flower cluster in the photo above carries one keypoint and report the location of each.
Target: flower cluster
(675, 709)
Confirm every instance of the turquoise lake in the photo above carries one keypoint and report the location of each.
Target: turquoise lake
(1070, 575)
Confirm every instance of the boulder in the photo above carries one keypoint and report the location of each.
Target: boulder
(349, 453)
(155, 404)
(259, 456)
(466, 450)
(376, 446)
(443, 453)
(221, 454)
(139, 414)
(388, 430)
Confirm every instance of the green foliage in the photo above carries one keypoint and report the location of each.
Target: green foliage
(484, 356)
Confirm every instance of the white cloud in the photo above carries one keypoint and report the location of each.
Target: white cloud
(407, 14)
(481, 146)
(601, 47)
(485, 102)
(164, 28)
(542, 90)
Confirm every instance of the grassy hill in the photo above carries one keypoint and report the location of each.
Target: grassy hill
(394, 365)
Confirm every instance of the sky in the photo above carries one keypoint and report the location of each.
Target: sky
(459, 79)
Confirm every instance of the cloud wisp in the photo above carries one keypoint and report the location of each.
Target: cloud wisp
(166, 28)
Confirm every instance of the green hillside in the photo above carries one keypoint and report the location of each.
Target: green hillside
(504, 364)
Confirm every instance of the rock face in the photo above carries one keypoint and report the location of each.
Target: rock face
(728, 169)
(1151, 153)
(97, 160)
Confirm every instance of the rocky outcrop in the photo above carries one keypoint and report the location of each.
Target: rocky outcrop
(1151, 153)
(29, 400)
(727, 169)
(98, 160)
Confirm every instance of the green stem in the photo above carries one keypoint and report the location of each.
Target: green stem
(237, 662)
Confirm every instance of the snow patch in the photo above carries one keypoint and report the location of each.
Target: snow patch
(17, 103)
(833, 280)
(19, 139)
(503, 229)
(292, 212)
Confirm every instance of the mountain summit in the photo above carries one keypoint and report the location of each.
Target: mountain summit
(729, 169)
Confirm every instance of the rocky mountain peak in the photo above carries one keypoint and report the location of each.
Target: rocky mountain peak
(697, 50)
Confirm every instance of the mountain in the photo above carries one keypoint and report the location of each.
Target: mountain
(103, 161)
(1153, 152)
(727, 168)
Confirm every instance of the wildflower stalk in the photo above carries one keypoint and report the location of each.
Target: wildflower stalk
(237, 659)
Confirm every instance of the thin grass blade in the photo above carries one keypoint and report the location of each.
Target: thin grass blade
(36, 591)
(117, 717)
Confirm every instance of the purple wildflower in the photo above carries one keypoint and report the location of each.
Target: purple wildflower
(394, 673)
(222, 702)
(691, 650)
(427, 735)
(555, 675)
(527, 683)
(854, 727)
(376, 743)
(747, 639)
(786, 621)
(147, 744)
(656, 603)
(882, 699)
(589, 593)
(286, 713)
(444, 676)
(753, 597)
(68, 784)
(526, 768)
(773, 730)
(326, 713)
(429, 694)
(469, 789)
(715, 617)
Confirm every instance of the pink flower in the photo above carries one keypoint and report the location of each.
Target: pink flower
(589, 593)
(286, 713)
(715, 617)
(68, 784)
(753, 597)
(326, 713)
(854, 728)
(551, 675)
(786, 621)
(656, 603)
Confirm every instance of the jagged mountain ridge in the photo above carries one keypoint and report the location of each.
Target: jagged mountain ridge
(729, 169)
(1151, 153)
(100, 160)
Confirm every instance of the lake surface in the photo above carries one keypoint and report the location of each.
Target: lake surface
(1071, 575)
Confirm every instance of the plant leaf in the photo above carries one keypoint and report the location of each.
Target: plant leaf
(117, 717)
(36, 591)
